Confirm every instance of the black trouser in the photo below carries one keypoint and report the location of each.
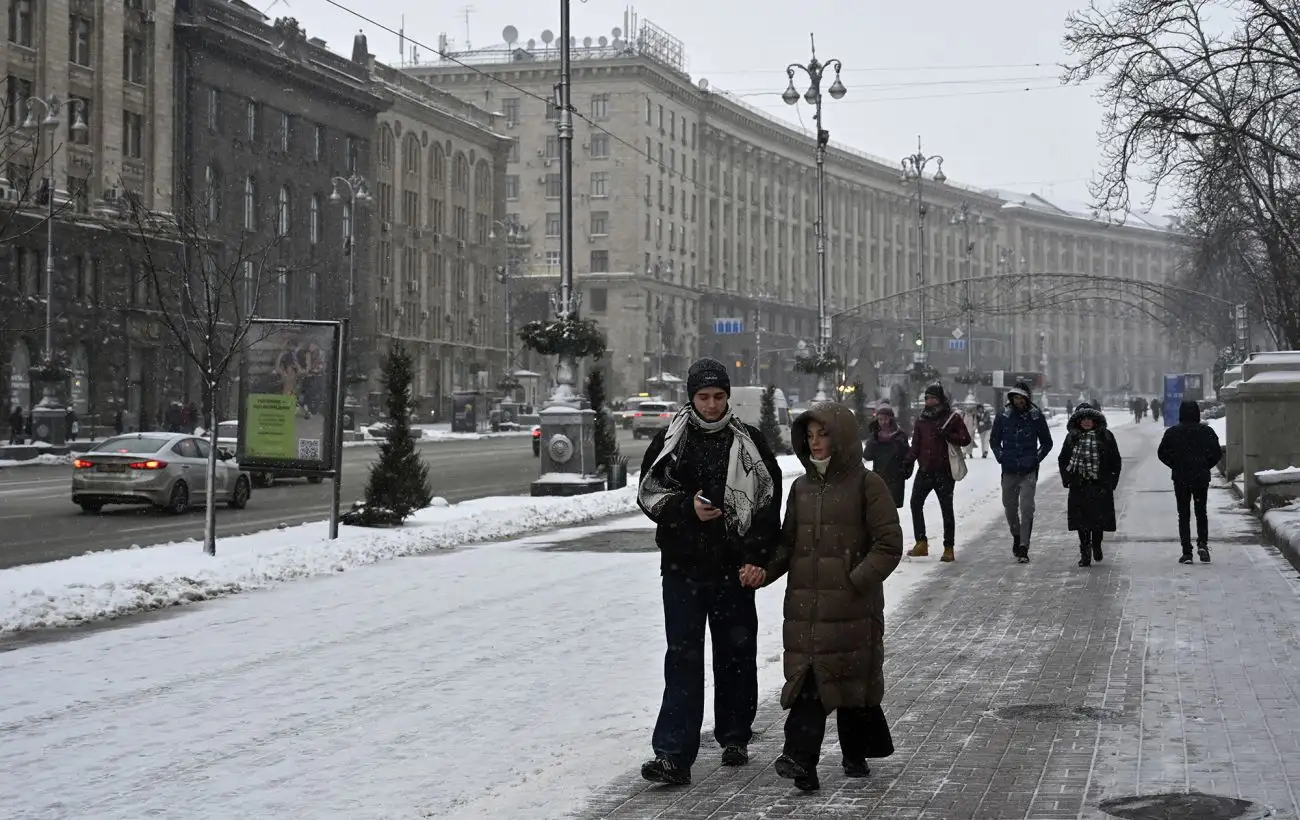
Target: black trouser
(1185, 494)
(805, 727)
(1091, 538)
(942, 485)
(728, 608)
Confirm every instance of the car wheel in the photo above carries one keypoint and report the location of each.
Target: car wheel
(264, 479)
(239, 498)
(179, 502)
(314, 479)
(91, 507)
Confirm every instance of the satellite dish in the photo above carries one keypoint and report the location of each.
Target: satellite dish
(532, 44)
(704, 83)
(617, 32)
(510, 34)
(586, 42)
(603, 41)
(547, 36)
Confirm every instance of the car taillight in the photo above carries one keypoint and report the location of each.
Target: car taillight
(664, 415)
(636, 415)
(147, 465)
(537, 434)
(82, 464)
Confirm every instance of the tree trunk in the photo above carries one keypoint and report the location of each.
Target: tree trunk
(210, 511)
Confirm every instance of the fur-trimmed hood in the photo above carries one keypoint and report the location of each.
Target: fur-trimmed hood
(1083, 411)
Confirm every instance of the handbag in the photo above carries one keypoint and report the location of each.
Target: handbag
(956, 455)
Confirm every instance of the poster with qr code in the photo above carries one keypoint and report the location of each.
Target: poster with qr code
(288, 396)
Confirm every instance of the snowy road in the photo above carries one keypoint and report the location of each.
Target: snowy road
(504, 681)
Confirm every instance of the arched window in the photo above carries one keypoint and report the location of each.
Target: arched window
(483, 182)
(460, 174)
(411, 155)
(313, 226)
(212, 193)
(387, 144)
(436, 160)
(250, 203)
(282, 212)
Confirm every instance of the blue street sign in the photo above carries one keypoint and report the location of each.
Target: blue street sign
(728, 327)
(956, 344)
(1175, 386)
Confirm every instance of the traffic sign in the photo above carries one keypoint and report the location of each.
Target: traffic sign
(956, 344)
(728, 327)
(957, 333)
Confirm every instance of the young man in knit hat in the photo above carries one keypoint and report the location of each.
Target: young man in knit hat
(712, 486)
(1020, 442)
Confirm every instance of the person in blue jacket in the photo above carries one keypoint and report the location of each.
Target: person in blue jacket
(1020, 442)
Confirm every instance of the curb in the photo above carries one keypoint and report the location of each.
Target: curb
(1288, 548)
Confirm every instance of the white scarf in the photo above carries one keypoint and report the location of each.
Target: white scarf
(749, 486)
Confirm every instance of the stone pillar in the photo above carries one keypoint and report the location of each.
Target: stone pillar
(568, 452)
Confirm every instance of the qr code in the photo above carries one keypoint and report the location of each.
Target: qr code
(309, 449)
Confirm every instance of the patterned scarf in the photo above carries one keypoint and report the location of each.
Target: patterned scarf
(749, 486)
(1085, 459)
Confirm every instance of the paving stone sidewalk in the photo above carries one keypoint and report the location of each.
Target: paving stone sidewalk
(1048, 691)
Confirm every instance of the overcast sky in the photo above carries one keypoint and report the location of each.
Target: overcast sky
(978, 81)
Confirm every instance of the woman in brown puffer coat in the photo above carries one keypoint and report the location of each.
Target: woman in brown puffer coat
(840, 541)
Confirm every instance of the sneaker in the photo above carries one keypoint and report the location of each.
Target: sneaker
(856, 768)
(1096, 553)
(735, 756)
(1185, 558)
(1204, 554)
(663, 770)
(790, 769)
(1023, 557)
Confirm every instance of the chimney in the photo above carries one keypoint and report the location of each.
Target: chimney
(360, 53)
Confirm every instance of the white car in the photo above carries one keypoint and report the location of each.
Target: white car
(167, 470)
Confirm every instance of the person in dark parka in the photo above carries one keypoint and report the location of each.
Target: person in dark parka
(1090, 467)
(1190, 450)
(886, 448)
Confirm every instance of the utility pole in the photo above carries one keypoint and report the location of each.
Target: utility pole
(756, 374)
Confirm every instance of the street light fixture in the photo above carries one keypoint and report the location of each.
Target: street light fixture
(357, 194)
(914, 166)
(513, 232)
(963, 218)
(816, 70)
(52, 107)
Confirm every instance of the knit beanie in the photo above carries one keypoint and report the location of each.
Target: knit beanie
(707, 372)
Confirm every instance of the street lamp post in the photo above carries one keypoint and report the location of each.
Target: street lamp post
(357, 194)
(52, 108)
(964, 219)
(512, 232)
(914, 166)
(816, 69)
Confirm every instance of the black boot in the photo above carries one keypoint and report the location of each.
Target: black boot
(856, 768)
(1085, 550)
(735, 756)
(805, 778)
(1096, 547)
(663, 770)
(1186, 557)
(1203, 552)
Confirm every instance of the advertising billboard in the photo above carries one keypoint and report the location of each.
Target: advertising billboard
(287, 395)
(1175, 386)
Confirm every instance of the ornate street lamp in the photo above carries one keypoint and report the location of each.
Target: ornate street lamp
(914, 166)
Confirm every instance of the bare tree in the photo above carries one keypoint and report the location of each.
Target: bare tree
(205, 285)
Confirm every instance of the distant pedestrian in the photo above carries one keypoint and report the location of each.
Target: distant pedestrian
(1090, 466)
(1190, 450)
(1020, 441)
(118, 423)
(886, 448)
(16, 425)
(970, 416)
(1156, 407)
(713, 488)
(937, 439)
(984, 428)
(840, 541)
(74, 426)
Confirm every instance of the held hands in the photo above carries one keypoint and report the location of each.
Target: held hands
(752, 576)
(705, 512)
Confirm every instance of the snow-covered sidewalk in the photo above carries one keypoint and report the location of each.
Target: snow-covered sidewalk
(500, 681)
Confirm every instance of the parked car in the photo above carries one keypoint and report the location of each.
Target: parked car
(623, 417)
(167, 470)
(228, 440)
(537, 440)
(652, 416)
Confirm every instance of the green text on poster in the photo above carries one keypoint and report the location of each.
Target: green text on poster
(271, 427)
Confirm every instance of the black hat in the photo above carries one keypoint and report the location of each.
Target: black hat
(936, 390)
(707, 373)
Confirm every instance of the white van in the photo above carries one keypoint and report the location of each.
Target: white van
(747, 405)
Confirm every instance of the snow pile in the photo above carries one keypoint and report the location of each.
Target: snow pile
(42, 460)
(112, 583)
(1220, 428)
(1287, 475)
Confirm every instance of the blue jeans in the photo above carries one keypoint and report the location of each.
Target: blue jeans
(728, 609)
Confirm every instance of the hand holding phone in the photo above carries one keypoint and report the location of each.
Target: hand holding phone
(704, 508)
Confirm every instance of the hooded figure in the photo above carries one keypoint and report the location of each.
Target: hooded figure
(886, 448)
(713, 488)
(1020, 442)
(841, 539)
(1190, 449)
(936, 428)
(1090, 466)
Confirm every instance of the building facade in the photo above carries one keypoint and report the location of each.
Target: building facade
(268, 121)
(441, 239)
(104, 65)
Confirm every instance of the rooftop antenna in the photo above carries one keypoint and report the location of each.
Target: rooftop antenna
(467, 10)
(401, 40)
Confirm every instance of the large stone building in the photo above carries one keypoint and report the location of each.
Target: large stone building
(107, 65)
(439, 222)
(268, 121)
(694, 206)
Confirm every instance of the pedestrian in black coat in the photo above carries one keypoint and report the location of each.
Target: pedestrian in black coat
(1090, 466)
(886, 448)
(1190, 450)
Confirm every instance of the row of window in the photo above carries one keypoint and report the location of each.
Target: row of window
(290, 132)
(413, 160)
(599, 109)
(599, 185)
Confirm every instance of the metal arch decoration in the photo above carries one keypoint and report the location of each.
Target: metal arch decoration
(560, 448)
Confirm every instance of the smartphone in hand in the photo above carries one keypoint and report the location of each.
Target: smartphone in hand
(706, 502)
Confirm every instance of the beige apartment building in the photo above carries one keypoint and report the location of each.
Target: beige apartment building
(692, 206)
(438, 189)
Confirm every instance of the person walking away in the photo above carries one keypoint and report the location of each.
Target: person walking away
(1156, 407)
(1020, 442)
(984, 428)
(886, 448)
(16, 425)
(970, 417)
(713, 488)
(937, 427)
(841, 539)
(1090, 467)
(70, 417)
(1190, 450)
